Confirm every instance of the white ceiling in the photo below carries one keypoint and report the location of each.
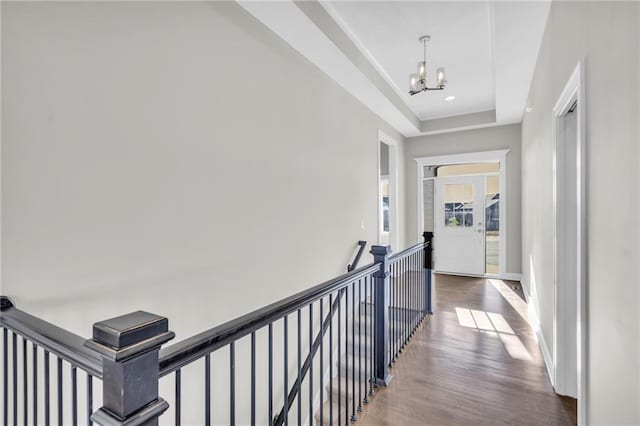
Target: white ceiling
(461, 41)
(488, 48)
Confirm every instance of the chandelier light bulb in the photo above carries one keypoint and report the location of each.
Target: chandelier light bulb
(422, 70)
(441, 77)
(413, 82)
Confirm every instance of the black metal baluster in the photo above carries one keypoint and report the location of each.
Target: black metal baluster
(270, 373)
(353, 352)
(60, 399)
(5, 377)
(346, 357)
(392, 327)
(74, 396)
(207, 389)
(416, 262)
(417, 289)
(330, 360)
(25, 389)
(403, 313)
(321, 363)
(410, 300)
(89, 399)
(178, 391)
(366, 350)
(399, 307)
(285, 410)
(360, 345)
(397, 325)
(339, 356)
(299, 383)
(14, 340)
(34, 348)
(311, 364)
(406, 301)
(391, 311)
(420, 266)
(414, 289)
(47, 407)
(253, 378)
(421, 286)
(413, 295)
(232, 383)
(372, 335)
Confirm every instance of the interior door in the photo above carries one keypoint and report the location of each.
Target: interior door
(459, 239)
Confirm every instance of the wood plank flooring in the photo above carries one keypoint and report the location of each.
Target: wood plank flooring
(474, 362)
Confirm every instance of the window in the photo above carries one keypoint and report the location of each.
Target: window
(458, 205)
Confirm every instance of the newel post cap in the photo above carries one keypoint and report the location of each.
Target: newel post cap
(129, 335)
(380, 251)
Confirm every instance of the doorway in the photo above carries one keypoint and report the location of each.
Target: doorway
(569, 249)
(462, 200)
(387, 191)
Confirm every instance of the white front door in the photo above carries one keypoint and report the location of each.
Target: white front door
(459, 240)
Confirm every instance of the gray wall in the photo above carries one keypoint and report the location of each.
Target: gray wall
(172, 157)
(487, 139)
(606, 36)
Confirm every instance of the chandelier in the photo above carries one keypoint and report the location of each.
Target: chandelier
(418, 81)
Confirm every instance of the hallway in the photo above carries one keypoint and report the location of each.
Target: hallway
(476, 361)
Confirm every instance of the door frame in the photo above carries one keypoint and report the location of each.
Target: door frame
(574, 91)
(393, 191)
(497, 156)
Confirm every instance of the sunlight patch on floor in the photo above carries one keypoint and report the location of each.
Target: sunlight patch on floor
(494, 324)
(513, 298)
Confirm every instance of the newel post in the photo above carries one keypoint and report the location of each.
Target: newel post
(381, 314)
(428, 272)
(129, 345)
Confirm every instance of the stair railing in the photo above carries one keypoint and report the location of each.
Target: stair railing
(352, 355)
(356, 260)
(294, 391)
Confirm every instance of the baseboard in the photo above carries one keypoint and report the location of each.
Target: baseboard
(511, 276)
(534, 322)
(548, 360)
(506, 276)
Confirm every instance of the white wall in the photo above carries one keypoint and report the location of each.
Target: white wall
(487, 139)
(173, 157)
(605, 35)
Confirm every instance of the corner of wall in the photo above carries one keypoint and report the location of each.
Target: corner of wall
(533, 312)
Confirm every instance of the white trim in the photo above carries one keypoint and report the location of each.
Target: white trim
(534, 322)
(574, 90)
(546, 355)
(499, 156)
(394, 194)
(511, 276)
(465, 158)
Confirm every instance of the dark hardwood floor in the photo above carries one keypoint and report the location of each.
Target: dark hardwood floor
(475, 362)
